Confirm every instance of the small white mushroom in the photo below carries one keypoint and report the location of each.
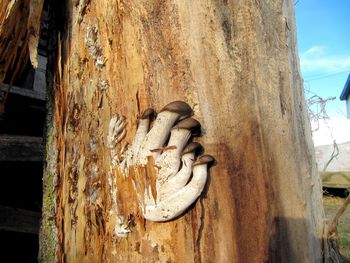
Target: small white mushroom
(175, 204)
(142, 129)
(121, 228)
(116, 131)
(178, 181)
(179, 136)
(159, 133)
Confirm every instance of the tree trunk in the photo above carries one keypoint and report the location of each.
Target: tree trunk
(236, 64)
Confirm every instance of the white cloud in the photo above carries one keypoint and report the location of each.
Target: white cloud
(336, 128)
(314, 51)
(316, 59)
(325, 64)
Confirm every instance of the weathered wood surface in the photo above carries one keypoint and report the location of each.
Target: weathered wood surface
(21, 148)
(12, 32)
(19, 220)
(236, 64)
(35, 94)
(19, 37)
(19, 30)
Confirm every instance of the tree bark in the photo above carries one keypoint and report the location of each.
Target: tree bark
(236, 64)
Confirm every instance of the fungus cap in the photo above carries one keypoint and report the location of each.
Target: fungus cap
(180, 107)
(204, 159)
(192, 147)
(189, 124)
(148, 114)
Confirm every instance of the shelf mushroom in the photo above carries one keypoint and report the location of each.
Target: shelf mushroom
(180, 178)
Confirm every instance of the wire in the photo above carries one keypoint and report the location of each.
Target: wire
(323, 76)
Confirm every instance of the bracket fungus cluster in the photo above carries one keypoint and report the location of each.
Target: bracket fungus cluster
(180, 176)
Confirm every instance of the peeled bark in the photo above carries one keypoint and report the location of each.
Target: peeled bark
(236, 64)
(19, 37)
(19, 30)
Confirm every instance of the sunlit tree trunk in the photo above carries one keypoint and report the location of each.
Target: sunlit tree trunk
(236, 64)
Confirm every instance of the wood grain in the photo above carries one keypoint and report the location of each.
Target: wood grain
(236, 64)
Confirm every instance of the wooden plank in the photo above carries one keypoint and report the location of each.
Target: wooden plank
(21, 148)
(25, 92)
(19, 220)
(340, 179)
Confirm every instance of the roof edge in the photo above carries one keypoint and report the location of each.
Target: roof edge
(346, 90)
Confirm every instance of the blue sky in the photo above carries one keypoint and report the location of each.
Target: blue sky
(323, 29)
